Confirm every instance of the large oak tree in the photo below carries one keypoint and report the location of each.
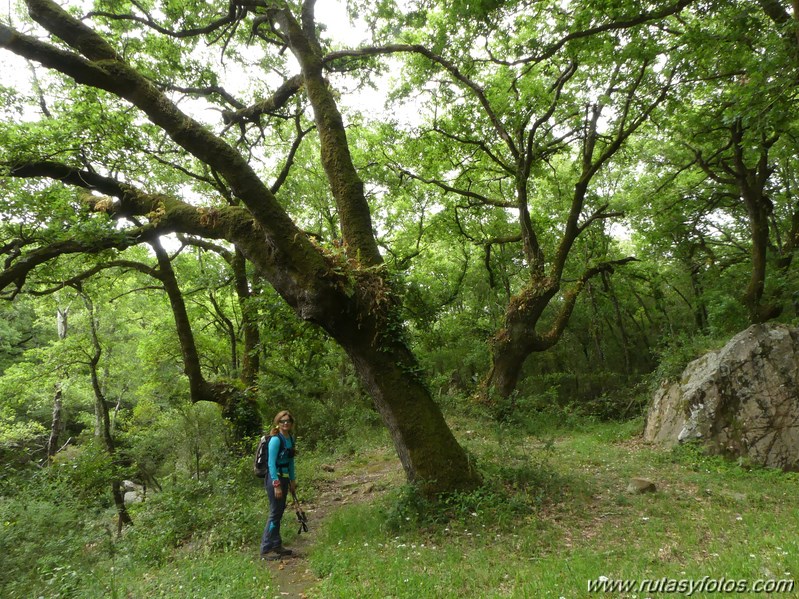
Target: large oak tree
(143, 59)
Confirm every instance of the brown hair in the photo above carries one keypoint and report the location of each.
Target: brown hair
(276, 422)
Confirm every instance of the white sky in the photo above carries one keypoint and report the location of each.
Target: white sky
(332, 13)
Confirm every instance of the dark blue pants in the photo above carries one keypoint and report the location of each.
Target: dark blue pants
(271, 537)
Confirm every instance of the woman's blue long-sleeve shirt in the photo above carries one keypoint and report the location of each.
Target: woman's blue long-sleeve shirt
(287, 464)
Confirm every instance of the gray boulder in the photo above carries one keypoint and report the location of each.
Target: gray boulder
(129, 485)
(134, 492)
(739, 401)
(132, 497)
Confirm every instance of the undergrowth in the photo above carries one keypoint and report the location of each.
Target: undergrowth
(552, 513)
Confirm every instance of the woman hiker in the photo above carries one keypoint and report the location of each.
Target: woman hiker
(279, 481)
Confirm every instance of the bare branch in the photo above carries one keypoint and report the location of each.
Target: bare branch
(87, 274)
(551, 337)
(295, 146)
(17, 271)
(621, 24)
(122, 80)
(557, 88)
(278, 100)
(451, 68)
(204, 244)
(167, 213)
(479, 144)
(479, 198)
(211, 90)
(598, 214)
(234, 13)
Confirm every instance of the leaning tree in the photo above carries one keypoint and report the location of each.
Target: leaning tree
(111, 127)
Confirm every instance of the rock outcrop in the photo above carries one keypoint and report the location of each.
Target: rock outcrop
(742, 400)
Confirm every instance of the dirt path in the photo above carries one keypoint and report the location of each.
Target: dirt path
(293, 575)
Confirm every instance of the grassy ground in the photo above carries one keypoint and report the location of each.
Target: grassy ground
(557, 514)
(554, 514)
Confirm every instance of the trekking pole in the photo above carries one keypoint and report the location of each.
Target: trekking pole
(301, 518)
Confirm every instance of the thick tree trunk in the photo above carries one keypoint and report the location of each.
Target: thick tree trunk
(751, 183)
(518, 338)
(758, 210)
(427, 449)
(358, 309)
(506, 368)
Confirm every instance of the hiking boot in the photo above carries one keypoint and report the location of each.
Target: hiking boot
(282, 551)
(270, 556)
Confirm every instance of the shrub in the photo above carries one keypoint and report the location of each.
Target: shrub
(49, 540)
(223, 511)
(678, 352)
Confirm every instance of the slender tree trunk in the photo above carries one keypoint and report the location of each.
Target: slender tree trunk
(625, 341)
(596, 327)
(55, 426)
(238, 407)
(104, 419)
(700, 310)
(250, 357)
(788, 248)
(226, 324)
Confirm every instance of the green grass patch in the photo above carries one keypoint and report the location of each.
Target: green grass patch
(194, 575)
(554, 513)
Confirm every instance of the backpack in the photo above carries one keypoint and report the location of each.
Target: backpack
(260, 466)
